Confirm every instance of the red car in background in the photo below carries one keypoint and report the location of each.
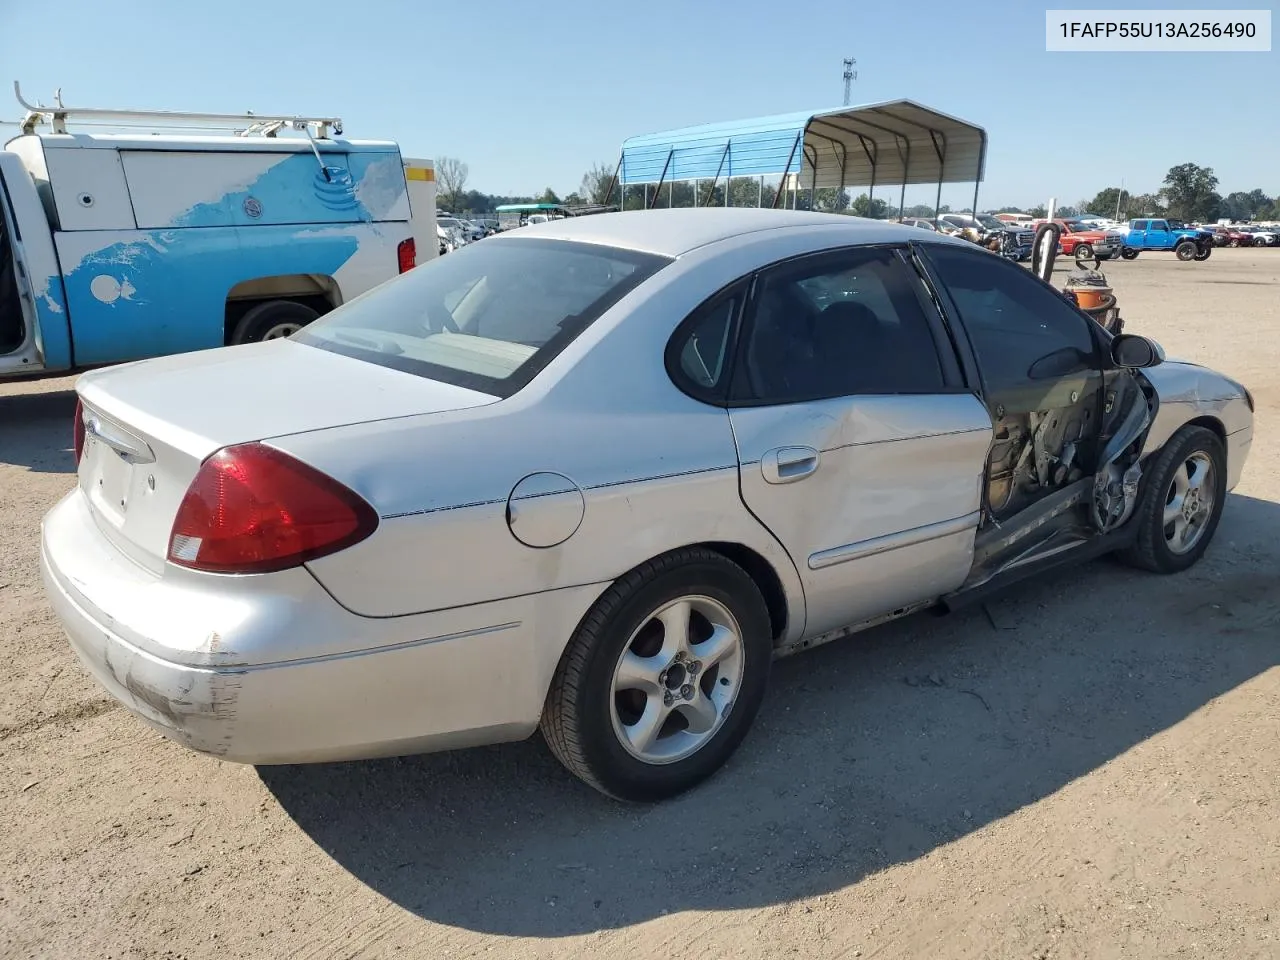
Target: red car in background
(1231, 237)
(1083, 242)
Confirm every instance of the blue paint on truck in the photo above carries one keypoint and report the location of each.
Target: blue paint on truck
(166, 290)
(124, 293)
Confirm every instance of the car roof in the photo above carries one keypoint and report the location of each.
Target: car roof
(673, 232)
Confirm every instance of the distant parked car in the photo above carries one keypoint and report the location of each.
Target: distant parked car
(1084, 242)
(1262, 237)
(1227, 236)
(594, 476)
(460, 232)
(1186, 243)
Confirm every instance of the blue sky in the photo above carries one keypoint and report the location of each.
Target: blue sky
(531, 94)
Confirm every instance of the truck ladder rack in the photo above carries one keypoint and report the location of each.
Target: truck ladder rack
(247, 124)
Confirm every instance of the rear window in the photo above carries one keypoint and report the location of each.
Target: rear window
(487, 317)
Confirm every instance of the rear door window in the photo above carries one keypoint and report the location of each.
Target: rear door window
(843, 324)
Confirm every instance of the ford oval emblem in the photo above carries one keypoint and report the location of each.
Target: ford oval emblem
(253, 207)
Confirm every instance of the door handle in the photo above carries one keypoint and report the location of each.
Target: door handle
(788, 464)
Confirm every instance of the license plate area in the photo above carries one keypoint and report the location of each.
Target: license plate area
(107, 478)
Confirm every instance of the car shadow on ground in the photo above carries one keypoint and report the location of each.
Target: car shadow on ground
(869, 752)
(35, 431)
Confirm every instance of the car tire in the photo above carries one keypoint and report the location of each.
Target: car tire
(1186, 251)
(622, 641)
(1128, 253)
(1203, 253)
(272, 320)
(1193, 458)
(1084, 251)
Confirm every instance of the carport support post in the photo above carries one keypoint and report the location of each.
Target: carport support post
(937, 204)
(787, 170)
(975, 199)
(906, 174)
(614, 182)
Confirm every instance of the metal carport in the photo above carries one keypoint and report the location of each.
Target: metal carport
(898, 142)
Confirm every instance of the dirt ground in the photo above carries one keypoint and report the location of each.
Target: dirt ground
(1085, 768)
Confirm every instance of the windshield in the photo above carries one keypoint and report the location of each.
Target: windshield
(991, 223)
(487, 317)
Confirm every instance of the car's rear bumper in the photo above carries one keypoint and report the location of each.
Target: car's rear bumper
(373, 687)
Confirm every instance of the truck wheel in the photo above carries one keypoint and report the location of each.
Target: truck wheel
(662, 678)
(272, 320)
(1128, 253)
(1084, 251)
(1186, 250)
(1203, 253)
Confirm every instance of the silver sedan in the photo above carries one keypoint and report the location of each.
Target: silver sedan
(594, 475)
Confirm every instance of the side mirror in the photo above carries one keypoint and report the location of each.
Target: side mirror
(1133, 351)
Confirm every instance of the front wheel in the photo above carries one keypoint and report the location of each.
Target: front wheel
(1083, 251)
(1182, 503)
(663, 678)
(1204, 253)
(1128, 253)
(1186, 251)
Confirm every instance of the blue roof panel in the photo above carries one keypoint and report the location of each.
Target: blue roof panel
(757, 147)
(907, 141)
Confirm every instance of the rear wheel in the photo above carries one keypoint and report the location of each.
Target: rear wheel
(1182, 503)
(1186, 251)
(663, 678)
(272, 320)
(1128, 253)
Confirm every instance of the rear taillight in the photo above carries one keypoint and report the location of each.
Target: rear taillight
(407, 254)
(253, 509)
(77, 431)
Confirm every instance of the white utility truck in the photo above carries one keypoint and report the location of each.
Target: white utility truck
(123, 246)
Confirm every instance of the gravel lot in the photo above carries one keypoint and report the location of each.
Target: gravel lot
(1086, 768)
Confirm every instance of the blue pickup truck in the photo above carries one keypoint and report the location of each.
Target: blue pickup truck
(1187, 243)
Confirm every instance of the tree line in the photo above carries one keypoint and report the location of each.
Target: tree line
(1188, 192)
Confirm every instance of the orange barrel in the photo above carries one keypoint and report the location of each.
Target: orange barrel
(1091, 297)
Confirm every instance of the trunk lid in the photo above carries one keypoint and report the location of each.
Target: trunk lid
(149, 425)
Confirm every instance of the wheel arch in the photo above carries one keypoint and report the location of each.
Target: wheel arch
(1210, 423)
(783, 610)
(766, 579)
(318, 291)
